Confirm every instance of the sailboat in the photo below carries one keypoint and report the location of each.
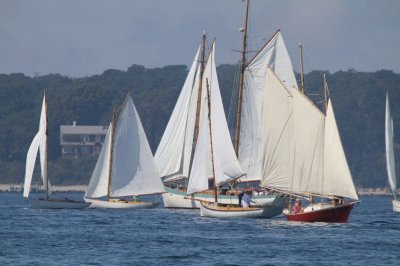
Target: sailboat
(390, 164)
(305, 154)
(125, 167)
(39, 144)
(214, 158)
(174, 154)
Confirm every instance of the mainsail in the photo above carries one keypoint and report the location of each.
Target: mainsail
(390, 164)
(133, 170)
(275, 56)
(302, 151)
(39, 143)
(225, 162)
(174, 152)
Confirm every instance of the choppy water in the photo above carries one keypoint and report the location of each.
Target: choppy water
(174, 237)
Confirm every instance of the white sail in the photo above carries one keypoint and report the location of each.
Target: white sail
(174, 152)
(390, 164)
(39, 143)
(98, 184)
(308, 137)
(277, 134)
(275, 56)
(226, 165)
(337, 178)
(134, 171)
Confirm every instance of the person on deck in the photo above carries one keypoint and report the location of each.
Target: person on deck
(298, 208)
(246, 200)
(240, 196)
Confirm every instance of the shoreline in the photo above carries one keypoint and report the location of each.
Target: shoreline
(82, 188)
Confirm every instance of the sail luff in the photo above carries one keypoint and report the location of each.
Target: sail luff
(389, 149)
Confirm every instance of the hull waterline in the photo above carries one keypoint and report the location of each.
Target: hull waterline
(214, 211)
(322, 213)
(174, 198)
(57, 204)
(120, 204)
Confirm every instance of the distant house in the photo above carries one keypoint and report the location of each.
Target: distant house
(81, 141)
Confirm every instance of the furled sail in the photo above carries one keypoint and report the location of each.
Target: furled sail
(390, 164)
(226, 165)
(39, 143)
(98, 184)
(174, 152)
(134, 171)
(275, 56)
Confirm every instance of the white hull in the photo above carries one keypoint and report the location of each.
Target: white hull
(396, 205)
(213, 211)
(57, 204)
(176, 199)
(120, 204)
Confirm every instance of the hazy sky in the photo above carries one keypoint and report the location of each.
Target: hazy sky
(79, 38)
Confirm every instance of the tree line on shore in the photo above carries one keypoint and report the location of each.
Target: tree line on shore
(358, 100)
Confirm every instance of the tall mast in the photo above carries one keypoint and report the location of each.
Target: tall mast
(240, 90)
(46, 185)
(202, 63)
(301, 67)
(326, 94)
(211, 143)
(111, 154)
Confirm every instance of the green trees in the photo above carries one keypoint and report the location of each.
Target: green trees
(358, 98)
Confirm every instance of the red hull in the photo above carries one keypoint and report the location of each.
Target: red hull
(339, 214)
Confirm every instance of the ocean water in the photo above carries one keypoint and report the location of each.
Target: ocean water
(181, 237)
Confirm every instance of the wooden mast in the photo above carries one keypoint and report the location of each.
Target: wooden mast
(211, 143)
(240, 89)
(326, 94)
(202, 63)
(301, 67)
(111, 154)
(46, 185)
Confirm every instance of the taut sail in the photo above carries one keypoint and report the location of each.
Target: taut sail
(303, 153)
(275, 56)
(225, 163)
(174, 152)
(390, 163)
(39, 143)
(133, 170)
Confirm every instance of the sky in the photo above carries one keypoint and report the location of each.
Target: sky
(87, 37)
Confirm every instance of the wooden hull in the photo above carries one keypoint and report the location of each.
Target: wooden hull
(214, 211)
(58, 204)
(322, 213)
(175, 198)
(396, 205)
(120, 204)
